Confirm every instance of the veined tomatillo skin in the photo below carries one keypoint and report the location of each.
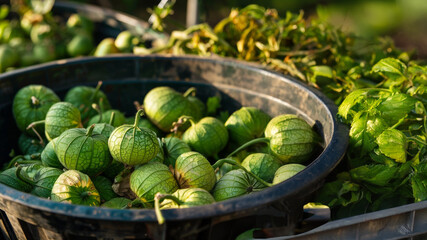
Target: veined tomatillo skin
(75, 187)
(190, 197)
(104, 129)
(208, 136)
(119, 118)
(173, 148)
(292, 139)
(80, 149)
(151, 178)
(133, 145)
(82, 97)
(246, 124)
(193, 170)
(164, 105)
(31, 104)
(8, 177)
(263, 165)
(287, 171)
(117, 203)
(104, 187)
(60, 117)
(235, 183)
(49, 157)
(44, 180)
(29, 145)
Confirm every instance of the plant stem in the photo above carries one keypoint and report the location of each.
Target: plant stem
(89, 132)
(138, 116)
(219, 163)
(32, 125)
(189, 91)
(247, 144)
(157, 199)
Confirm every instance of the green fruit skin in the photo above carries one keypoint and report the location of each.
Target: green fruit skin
(174, 147)
(60, 117)
(225, 168)
(199, 105)
(287, 171)
(113, 169)
(29, 145)
(292, 139)
(82, 97)
(104, 129)
(80, 45)
(104, 187)
(75, 187)
(163, 106)
(8, 57)
(105, 47)
(209, 136)
(124, 42)
(235, 183)
(117, 203)
(193, 170)
(40, 32)
(44, 51)
(191, 197)
(151, 178)
(119, 118)
(246, 124)
(44, 180)
(78, 22)
(49, 157)
(78, 151)
(8, 177)
(25, 112)
(262, 165)
(132, 145)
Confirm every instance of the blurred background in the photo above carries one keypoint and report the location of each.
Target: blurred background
(404, 20)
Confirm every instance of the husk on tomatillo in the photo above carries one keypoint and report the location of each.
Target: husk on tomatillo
(150, 178)
(80, 149)
(193, 170)
(82, 97)
(132, 145)
(31, 104)
(75, 187)
(290, 139)
(208, 136)
(164, 105)
(181, 198)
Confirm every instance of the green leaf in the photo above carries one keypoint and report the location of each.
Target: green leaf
(390, 67)
(212, 105)
(396, 107)
(339, 193)
(393, 144)
(350, 101)
(377, 174)
(249, 234)
(419, 186)
(363, 132)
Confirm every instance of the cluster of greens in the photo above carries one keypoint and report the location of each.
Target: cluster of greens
(381, 92)
(386, 160)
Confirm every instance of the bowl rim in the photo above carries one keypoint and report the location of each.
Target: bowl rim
(326, 161)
